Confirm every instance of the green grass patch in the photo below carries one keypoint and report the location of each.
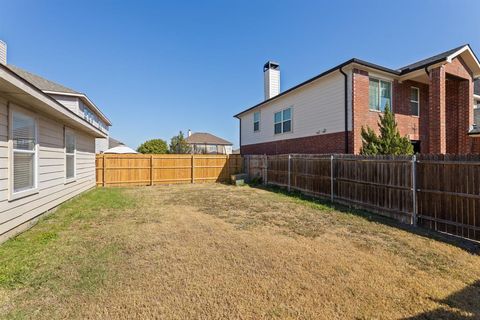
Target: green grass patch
(34, 256)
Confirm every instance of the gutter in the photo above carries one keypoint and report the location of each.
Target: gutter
(346, 107)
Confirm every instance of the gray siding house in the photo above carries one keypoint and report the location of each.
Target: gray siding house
(47, 145)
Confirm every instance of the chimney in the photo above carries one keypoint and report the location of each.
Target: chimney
(3, 53)
(271, 78)
(189, 132)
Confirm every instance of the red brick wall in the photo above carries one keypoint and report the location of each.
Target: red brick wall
(436, 111)
(325, 143)
(416, 128)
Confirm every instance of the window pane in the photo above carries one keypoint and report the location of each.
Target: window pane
(287, 114)
(476, 116)
(278, 128)
(70, 142)
(256, 116)
(287, 126)
(256, 126)
(385, 95)
(23, 132)
(414, 94)
(70, 166)
(23, 171)
(414, 108)
(278, 117)
(373, 94)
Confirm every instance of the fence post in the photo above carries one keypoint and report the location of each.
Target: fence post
(266, 170)
(193, 168)
(104, 170)
(331, 178)
(151, 170)
(289, 170)
(414, 190)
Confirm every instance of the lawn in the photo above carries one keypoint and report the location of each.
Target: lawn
(216, 251)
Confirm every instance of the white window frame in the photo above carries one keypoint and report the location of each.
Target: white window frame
(74, 154)
(417, 101)
(259, 120)
(380, 80)
(24, 193)
(283, 120)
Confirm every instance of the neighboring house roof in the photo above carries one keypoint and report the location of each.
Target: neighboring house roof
(39, 82)
(206, 138)
(442, 57)
(476, 87)
(120, 150)
(112, 143)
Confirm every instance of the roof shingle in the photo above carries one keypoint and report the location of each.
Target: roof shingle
(206, 138)
(39, 82)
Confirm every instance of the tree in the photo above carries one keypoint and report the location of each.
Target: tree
(156, 146)
(178, 144)
(389, 142)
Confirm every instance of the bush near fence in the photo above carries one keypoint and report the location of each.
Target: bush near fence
(440, 192)
(154, 169)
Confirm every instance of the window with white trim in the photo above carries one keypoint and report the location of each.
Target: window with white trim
(476, 112)
(256, 121)
(414, 101)
(70, 148)
(379, 94)
(24, 147)
(283, 121)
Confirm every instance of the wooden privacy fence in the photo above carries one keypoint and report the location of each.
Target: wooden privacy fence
(440, 192)
(153, 169)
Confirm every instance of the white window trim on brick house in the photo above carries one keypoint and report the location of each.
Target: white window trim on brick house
(380, 80)
(413, 101)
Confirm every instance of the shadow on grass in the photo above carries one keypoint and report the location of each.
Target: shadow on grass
(462, 304)
(465, 244)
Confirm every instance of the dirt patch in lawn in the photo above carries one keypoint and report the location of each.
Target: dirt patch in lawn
(216, 251)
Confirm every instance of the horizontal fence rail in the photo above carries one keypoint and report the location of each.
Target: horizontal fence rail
(154, 169)
(440, 192)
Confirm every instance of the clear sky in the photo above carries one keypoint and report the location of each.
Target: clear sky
(157, 67)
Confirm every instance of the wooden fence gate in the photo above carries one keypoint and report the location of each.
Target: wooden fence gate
(153, 169)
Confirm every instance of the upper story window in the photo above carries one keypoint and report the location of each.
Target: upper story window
(476, 112)
(24, 159)
(70, 148)
(414, 101)
(256, 121)
(283, 121)
(379, 94)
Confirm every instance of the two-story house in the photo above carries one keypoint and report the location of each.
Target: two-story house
(433, 101)
(47, 145)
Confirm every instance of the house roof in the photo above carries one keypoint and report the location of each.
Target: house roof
(120, 150)
(444, 56)
(39, 82)
(429, 61)
(206, 138)
(50, 87)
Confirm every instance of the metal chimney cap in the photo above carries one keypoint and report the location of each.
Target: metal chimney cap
(271, 65)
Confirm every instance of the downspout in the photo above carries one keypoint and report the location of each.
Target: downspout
(346, 108)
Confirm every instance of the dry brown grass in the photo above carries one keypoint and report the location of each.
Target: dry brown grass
(216, 251)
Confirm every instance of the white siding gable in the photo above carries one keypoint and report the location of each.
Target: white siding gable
(317, 108)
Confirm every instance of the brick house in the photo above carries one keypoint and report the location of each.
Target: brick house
(433, 100)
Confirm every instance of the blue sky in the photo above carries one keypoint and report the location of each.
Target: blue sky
(159, 67)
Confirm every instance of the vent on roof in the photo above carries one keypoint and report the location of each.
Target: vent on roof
(3, 53)
(271, 78)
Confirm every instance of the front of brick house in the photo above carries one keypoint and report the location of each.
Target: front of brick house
(433, 100)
